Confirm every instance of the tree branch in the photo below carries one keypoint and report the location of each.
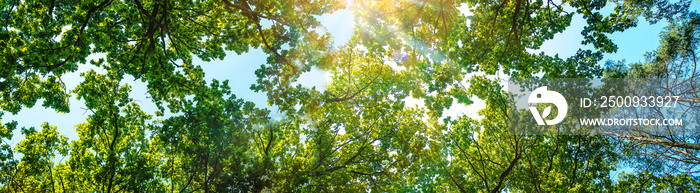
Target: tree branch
(655, 141)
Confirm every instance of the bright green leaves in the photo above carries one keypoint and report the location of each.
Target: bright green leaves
(34, 173)
(499, 34)
(420, 26)
(359, 134)
(55, 94)
(150, 40)
(35, 46)
(679, 39)
(356, 135)
(290, 43)
(584, 64)
(113, 143)
(483, 152)
(645, 181)
(598, 25)
(37, 40)
(461, 95)
(7, 129)
(25, 91)
(496, 155)
(39, 145)
(98, 90)
(208, 146)
(7, 161)
(624, 17)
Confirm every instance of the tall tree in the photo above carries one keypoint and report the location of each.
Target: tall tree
(671, 70)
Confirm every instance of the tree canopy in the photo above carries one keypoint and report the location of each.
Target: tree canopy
(359, 133)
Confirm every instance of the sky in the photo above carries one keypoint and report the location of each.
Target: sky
(239, 70)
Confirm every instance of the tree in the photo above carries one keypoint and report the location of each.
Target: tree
(35, 173)
(358, 134)
(668, 71)
(152, 41)
(647, 182)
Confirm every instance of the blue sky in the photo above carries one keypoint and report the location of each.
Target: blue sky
(239, 70)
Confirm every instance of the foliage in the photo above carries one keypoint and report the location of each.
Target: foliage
(673, 69)
(357, 134)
